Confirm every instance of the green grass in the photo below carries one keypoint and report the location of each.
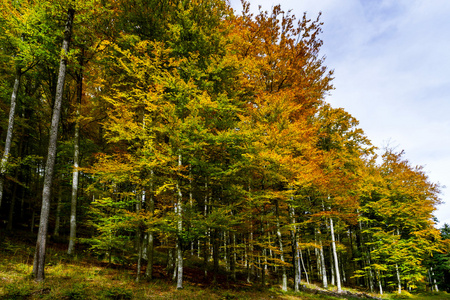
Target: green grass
(81, 277)
(419, 296)
(84, 278)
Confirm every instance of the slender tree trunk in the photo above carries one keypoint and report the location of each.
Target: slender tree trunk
(150, 246)
(299, 266)
(180, 231)
(399, 282)
(170, 260)
(9, 132)
(246, 259)
(191, 202)
(39, 256)
(295, 257)
(250, 258)
(322, 265)
(336, 264)
(304, 267)
(175, 269)
(215, 244)
(234, 259)
(333, 275)
(140, 252)
(11, 208)
(33, 220)
(58, 210)
(140, 236)
(76, 160)
(379, 282)
(371, 280)
(434, 284)
(205, 244)
(280, 243)
(264, 267)
(264, 255)
(226, 251)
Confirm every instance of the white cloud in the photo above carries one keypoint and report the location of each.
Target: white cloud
(391, 61)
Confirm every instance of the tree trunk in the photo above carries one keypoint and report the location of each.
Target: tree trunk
(295, 256)
(11, 208)
(226, 247)
(433, 278)
(76, 160)
(280, 242)
(323, 267)
(150, 245)
(140, 251)
(9, 131)
(336, 264)
(58, 210)
(180, 231)
(205, 244)
(39, 256)
(399, 282)
(216, 245)
(332, 269)
(304, 267)
(234, 259)
(379, 283)
(140, 236)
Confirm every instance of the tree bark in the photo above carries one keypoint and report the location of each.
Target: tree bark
(433, 280)
(304, 268)
(9, 132)
(399, 282)
(336, 264)
(379, 283)
(280, 242)
(215, 245)
(150, 245)
(323, 267)
(234, 259)
(140, 236)
(39, 256)
(11, 208)
(58, 210)
(180, 231)
(76, 160)
(295, 256)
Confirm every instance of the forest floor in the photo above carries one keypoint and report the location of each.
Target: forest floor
(83, 277)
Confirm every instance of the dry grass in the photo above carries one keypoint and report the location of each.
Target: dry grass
(85, 278)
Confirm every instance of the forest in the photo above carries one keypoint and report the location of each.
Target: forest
(138, 129)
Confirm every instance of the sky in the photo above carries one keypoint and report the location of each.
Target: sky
(392, 72)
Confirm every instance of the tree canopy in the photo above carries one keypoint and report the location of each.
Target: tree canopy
(202, 131)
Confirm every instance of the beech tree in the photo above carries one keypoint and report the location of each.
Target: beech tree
(15, 26)
(190, 131)
(399, 218)
(39, 256)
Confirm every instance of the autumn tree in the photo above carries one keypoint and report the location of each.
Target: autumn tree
(400, 222)
(159, 111)
(284, 86)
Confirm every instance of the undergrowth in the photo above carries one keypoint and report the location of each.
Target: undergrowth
(83, 277)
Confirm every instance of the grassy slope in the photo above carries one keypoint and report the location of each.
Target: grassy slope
(81, 278)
